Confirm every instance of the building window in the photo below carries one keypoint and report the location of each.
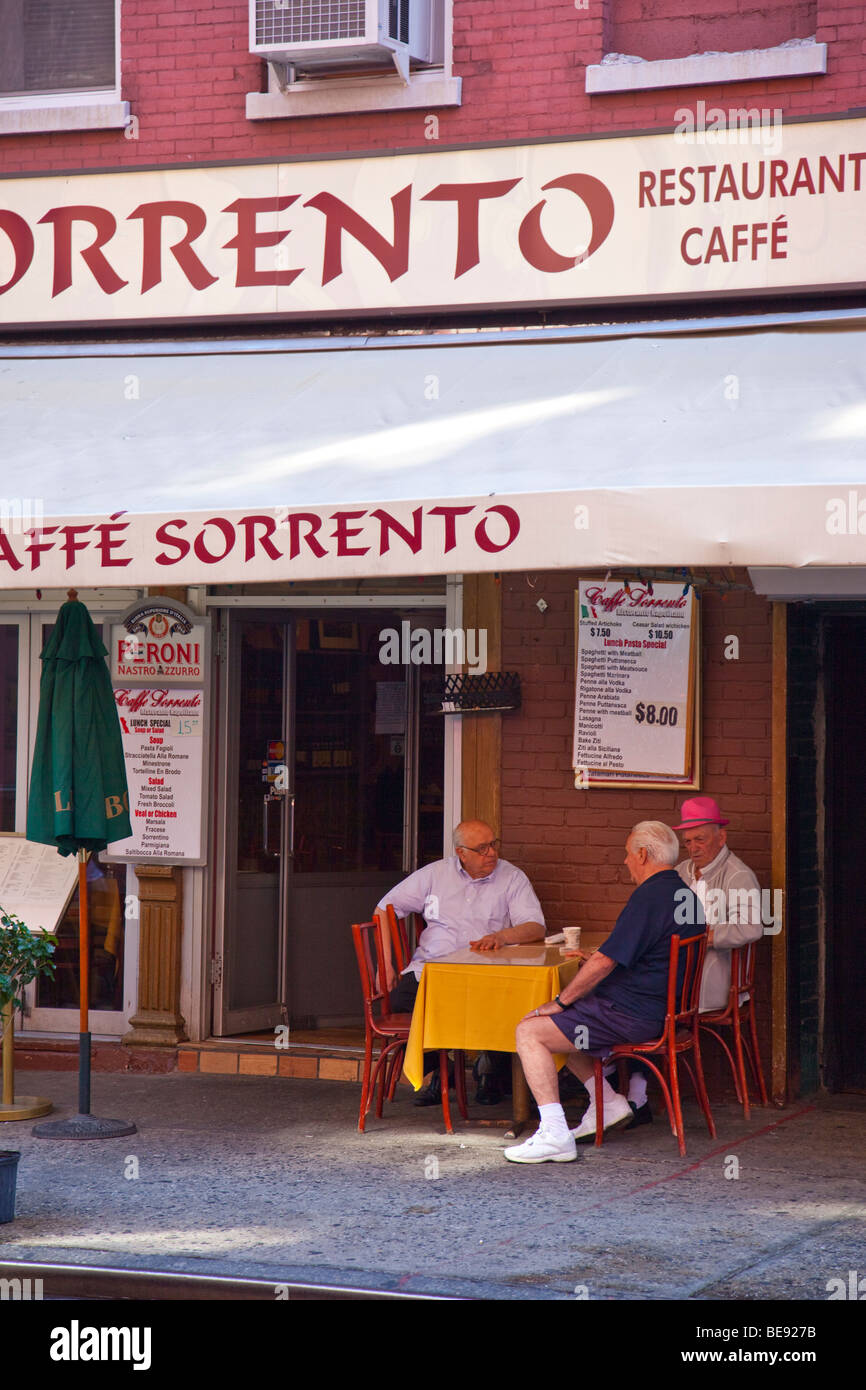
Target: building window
(59, 66)
(669, 29)
(659, 45)
(57, 46)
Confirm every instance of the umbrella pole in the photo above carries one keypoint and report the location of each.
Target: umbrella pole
(83, 1125)
(83, 988)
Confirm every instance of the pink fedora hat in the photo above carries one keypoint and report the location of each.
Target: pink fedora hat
(700, 810)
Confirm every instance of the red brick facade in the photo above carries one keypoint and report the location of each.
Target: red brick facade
(571, 843)
(186, 71)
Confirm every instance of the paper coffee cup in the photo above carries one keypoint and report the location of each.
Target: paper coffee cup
(572, 938)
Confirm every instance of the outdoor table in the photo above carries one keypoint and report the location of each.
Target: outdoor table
(474, 1000)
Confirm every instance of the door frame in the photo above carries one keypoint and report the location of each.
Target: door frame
(224, 781)
(103, 606)
(224, 1020)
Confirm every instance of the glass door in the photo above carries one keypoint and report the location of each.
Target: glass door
(14, 720)
(332, 793)
(256, 839)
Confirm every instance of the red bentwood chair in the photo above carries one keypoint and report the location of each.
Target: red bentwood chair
(680, 1035)
(739, 1009)
(399, 937)
(392, 1030)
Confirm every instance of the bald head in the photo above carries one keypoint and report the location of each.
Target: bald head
(476, 847)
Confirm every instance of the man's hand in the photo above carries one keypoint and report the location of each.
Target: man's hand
(390, 978)
(491, 942)
(543, 1011)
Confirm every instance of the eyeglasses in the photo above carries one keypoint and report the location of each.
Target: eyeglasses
(494, 845)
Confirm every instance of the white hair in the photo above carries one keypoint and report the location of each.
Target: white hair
(659, 841)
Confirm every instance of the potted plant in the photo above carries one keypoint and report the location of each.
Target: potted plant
(23, 957)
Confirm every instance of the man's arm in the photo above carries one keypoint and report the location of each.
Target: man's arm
(588, 976)
(409, 896)
(742, 911)
(526, 915)
(509, 936)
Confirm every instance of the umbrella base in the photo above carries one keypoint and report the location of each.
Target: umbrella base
(84, 1127)
(25, 1108)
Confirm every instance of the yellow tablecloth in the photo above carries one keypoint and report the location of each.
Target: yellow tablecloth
(477, 1007)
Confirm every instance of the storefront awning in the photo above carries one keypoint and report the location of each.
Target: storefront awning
(716, 442)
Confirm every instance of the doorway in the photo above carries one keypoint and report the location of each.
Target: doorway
(51, 1003)
(844, 667)
(330, 789)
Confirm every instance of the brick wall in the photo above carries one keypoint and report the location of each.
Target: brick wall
(186, 72)
(571, 843)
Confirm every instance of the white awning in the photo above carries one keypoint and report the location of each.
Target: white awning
(717, 442)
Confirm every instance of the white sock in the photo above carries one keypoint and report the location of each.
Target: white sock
(553, 1118)
(608, 1094)
(637, 1088)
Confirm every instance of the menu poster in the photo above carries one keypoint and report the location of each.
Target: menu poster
(635, 717)
(163, 740)
(36, 882)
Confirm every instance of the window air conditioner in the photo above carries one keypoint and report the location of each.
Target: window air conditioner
(318, 37)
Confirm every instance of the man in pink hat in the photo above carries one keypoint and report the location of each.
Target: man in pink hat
(731, 898)
(726, 887)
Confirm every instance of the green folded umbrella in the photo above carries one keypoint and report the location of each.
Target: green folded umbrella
(79, 801)
(78, 792)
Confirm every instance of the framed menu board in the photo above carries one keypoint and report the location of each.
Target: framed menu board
(36, 882)
(163, 734)
(637, 691)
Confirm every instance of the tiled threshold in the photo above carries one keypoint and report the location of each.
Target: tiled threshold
(337, 1056)
(325, 1060)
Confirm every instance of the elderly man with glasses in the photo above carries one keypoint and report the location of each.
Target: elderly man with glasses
(472, 899)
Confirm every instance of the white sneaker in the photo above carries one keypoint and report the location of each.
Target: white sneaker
(617, 1113)
(542, 1147)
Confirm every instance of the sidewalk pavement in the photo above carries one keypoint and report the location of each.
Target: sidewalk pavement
(270, 1179)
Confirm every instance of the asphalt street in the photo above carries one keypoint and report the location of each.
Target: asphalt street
(270, 1178)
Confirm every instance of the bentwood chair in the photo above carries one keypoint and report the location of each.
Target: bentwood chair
(392, 1031)
(739, 1010)
(399, 937)
(393, 929)
(679, 1037)
(402, 955)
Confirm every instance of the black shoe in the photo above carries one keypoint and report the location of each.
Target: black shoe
(431, 1094)
(488, 1092)
(643, 1115)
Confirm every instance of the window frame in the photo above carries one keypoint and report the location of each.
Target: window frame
(84, 109)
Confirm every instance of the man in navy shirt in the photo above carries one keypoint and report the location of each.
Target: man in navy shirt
(619, 995)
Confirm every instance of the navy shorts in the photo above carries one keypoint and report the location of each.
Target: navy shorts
(605, 1025)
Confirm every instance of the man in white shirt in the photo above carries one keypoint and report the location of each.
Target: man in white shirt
(473, 899)
(727, 889)
(731, 898)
